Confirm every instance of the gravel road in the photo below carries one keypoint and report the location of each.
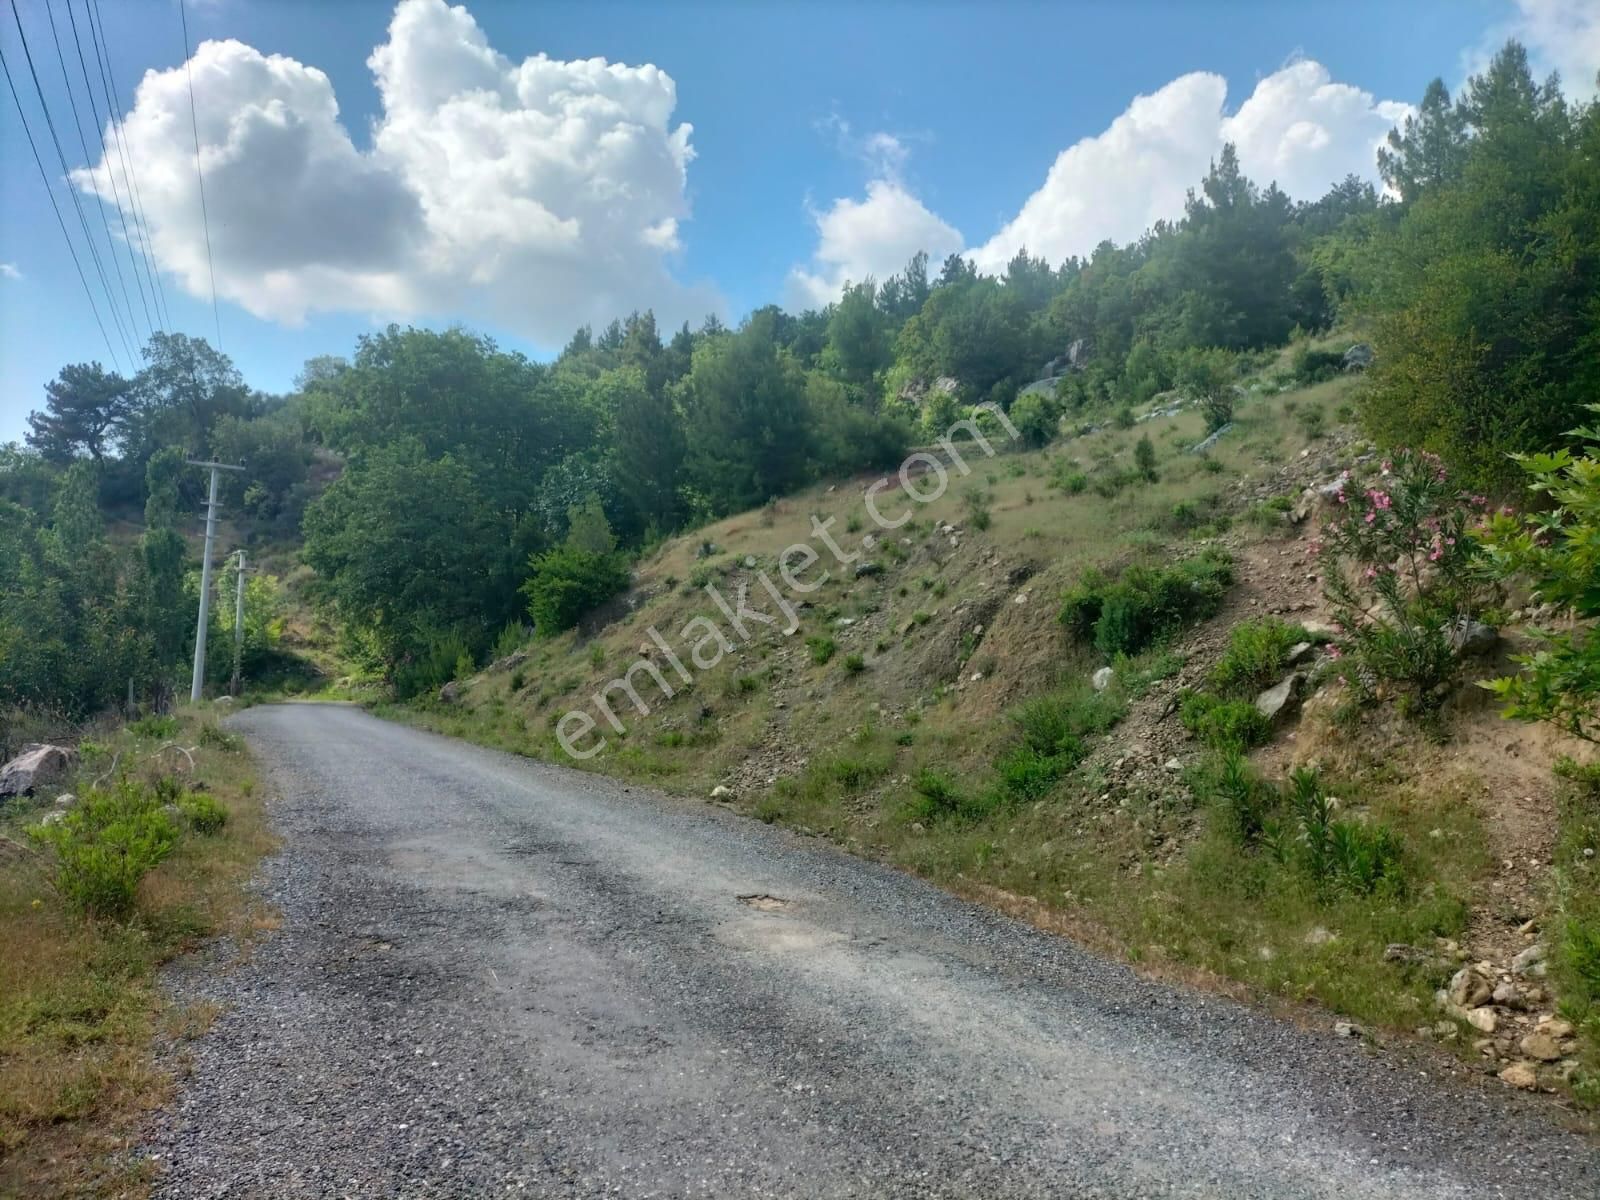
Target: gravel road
(498, 977)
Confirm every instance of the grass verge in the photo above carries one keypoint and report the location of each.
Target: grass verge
(80, 1009)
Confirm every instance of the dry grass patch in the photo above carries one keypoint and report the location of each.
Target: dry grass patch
(80, 1008)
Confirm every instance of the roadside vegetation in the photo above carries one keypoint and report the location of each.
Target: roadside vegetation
(1174, 638)
(146, 858)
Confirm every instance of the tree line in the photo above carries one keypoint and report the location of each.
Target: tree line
(476, 487)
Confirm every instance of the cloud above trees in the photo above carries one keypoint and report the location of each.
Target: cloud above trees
(535, 195)
(1298, 127)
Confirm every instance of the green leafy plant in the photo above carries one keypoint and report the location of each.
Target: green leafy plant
(1399, 563)
(1125, 615)
(1228, 725)
(203, 812)
(822, 648)
(854, 664)
(105, 844)
(1256, 655)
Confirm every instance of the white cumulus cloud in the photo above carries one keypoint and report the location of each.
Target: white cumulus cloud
(1298, 127)
(873, 237)
(9, 271)
(1560, 35)
(538, 194)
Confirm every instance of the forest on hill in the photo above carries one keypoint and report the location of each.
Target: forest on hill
(477, 490)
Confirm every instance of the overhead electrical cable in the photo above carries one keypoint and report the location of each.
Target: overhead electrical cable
(205, 220)
(66, 171)
(44, 177)
(105, 221)
(108, 81)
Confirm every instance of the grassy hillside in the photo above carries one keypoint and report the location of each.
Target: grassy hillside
(905, 718)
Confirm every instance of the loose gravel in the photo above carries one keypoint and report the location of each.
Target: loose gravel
(497, 977)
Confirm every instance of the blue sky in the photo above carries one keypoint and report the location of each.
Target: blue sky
(828, 140)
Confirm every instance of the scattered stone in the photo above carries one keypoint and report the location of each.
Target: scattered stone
(1482, 1019)
(38, 763)
(450, 692)
(1320, 937)
(1526, 960)
(1102, 678)
(1346, 1029)
(863, 570)
(869, 542)
(1174, 765)
(1468, 989)
(1555, 1027)
(1542, 1046)
(1211, 441)
(1469, 637)
(1358, 357)
(721, 792)
(1521, 1075)
(916, 827)
(1399, 952)
(1299, 652)
(1508, 995)
(1280, 701)
(66, 800)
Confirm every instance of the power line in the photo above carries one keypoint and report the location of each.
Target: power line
(108, 81)
(44, 178)
(105, 158)
(205, 220)
(66, 171)
(105, 222)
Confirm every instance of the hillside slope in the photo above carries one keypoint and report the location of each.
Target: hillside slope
(894, 712)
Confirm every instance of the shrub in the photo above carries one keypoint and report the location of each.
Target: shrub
(1027, 774)
(1126, 615)
(220, 739)
(105, 844)
(1257, 651)
(821, 647)
(1144, 457)
(155, 727)
(1555, 549)
(510, 639)
(854, 664)
(1240, 801)
(203, 813)
(567, 582)
(1207, 377)
(976, 500)
(1310, 365)
(1333, 854)
(1074, 483)
(1400, 566)
(1228, 725)
(519, 680)
(937, 795)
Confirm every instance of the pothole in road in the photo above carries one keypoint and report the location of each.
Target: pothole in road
(763, 901)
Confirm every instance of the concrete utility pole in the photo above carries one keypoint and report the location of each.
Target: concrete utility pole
(197, 683)
(238, 626)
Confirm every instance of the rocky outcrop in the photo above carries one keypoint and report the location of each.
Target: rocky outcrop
(37, 764)
(1358, 357)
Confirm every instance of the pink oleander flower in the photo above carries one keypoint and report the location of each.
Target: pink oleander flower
(1334, 651)
(1371, 516)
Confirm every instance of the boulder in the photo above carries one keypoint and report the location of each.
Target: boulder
(1541, 1046)
(721, 792)
(1202, 447)
(36, 764)
(1521, 1075)
(450, 692)
(1468, 989)
(1280, 700)
(1358, 357)
(1102, 678)
(1298, 652)
(1469, 637)
(1526, 960)
(1482, 1019)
